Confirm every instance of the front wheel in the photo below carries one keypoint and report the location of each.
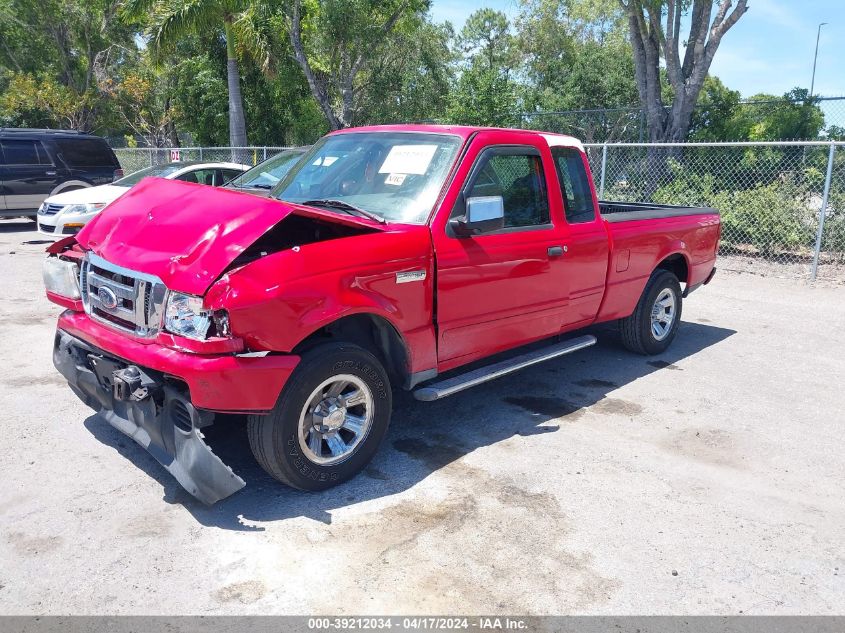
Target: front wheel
(329, 420)
(654, 322)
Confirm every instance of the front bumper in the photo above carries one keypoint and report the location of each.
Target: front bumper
(227, 383)
(152, 410)
(152, 398)
(56, 226)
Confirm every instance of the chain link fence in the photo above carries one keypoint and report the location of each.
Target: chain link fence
(135, 158)
(770, 195)
(782, 204)
(629, 125)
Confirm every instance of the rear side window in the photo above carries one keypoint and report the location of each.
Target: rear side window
(23, 152)
(518, 178)
(575, 185)
(86, 152)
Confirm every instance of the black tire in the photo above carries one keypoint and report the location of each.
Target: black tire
(274, 438)
(637, 334)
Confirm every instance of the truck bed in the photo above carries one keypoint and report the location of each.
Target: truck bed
(628, 211)
(642, 234)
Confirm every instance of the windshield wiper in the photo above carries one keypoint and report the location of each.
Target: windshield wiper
(345, 206)
(259, 186)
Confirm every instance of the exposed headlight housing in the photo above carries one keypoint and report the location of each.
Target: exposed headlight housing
(185, 316)
(61, 277)
(90, 207)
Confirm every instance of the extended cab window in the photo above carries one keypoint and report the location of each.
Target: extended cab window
(518, 178)
(574, 184)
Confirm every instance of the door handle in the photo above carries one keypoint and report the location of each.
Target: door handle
(556, 251)
(50, 173)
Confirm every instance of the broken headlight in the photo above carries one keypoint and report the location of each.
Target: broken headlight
(61, 277)
(185, 316)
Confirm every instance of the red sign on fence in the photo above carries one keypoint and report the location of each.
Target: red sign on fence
(174, 156)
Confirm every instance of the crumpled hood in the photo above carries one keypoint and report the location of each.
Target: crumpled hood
(188, 234)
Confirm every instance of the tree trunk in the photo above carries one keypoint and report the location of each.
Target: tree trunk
(344, 79)
(318, 88)
(237, 122)
(650, 37)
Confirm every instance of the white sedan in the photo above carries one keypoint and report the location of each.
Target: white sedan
(67, 212)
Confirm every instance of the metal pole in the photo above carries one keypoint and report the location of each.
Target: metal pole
(822, 212)
(642, 124)
(200, 153)
(151, 157)
(603, 168)
(265, 153)
(815, 59)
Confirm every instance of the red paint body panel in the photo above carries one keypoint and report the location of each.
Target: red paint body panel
(278, 300)
(645, 243)
(479, 296)
(498, 290)
(187, 234)
(65, 302)
(221, 382)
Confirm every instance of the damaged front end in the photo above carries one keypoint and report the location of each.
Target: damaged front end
(153, 410)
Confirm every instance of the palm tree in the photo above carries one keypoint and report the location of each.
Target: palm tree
(171, 20)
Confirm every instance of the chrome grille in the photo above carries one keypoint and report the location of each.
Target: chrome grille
(122, 298)
(52, 209)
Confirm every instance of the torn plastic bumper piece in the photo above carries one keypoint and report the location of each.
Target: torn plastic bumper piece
(157, 414)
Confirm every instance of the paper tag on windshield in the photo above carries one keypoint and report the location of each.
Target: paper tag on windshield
(324, 161)
(408, 159)
(394, 179)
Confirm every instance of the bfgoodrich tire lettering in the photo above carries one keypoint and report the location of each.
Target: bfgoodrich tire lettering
(289, 442)
(637, 333)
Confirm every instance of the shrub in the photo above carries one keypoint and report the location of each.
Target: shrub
(767, 216)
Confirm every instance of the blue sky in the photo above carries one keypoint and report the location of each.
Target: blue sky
(769, 50)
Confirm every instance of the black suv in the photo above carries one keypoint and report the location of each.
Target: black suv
(36, 164)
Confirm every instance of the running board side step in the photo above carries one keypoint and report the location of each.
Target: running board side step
(443, 388)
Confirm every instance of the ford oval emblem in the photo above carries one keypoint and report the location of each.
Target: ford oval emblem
(107, 297)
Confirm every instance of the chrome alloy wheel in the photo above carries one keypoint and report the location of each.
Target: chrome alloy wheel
(663, 314)
(335, 419)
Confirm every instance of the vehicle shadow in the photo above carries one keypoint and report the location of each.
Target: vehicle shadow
(423, 437)
(18, 225)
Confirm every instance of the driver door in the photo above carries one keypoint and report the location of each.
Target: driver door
(506, 287)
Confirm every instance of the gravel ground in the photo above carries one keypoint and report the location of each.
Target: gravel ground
(708, 480)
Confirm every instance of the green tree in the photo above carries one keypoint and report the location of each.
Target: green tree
(172, 20)
(141, 95)
(577, 57)
(413, 80)
(795, 115)
(29, 101)
(486, 93)
(654, 28)
(335, 43)
(59, 46)
(719, 115)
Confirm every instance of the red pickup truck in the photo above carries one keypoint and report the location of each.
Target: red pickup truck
(388, 257)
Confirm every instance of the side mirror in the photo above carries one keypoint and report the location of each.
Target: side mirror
(483, 214)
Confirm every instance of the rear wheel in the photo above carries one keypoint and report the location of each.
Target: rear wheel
(654, 322)
(329, 420)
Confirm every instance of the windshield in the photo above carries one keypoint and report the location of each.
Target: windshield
(394, 175)
(159, 171)
(265, 175)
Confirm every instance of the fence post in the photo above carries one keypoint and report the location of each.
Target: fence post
(822, 212)
(603, 168)
(200, 153)
(265, 152)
